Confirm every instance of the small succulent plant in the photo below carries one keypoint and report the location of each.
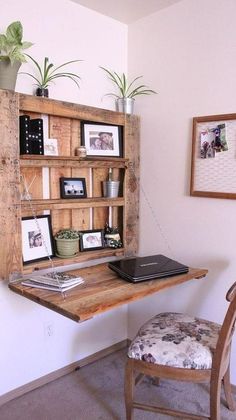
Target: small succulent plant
(68, 234)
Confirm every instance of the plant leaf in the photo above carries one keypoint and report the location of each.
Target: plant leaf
(3, 42)
(26, 45)
(65, 64)
(14, 33)
(35, 78)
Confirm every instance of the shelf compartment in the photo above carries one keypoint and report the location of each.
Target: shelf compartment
(29, 161)
(81, 257)
(59, 204)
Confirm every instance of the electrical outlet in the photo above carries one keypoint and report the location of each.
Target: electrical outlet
(49, 330)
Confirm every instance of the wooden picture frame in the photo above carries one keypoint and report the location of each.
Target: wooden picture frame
(73, 188)
(37, 239)
(91, 240)
(214, 156)
(101, 139)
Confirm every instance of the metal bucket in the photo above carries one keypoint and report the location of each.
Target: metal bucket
(111, 188)
(125, 105)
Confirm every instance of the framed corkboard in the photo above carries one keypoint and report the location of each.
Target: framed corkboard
(213, 171)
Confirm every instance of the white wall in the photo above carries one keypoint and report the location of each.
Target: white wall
(187, 52)
(63, 31)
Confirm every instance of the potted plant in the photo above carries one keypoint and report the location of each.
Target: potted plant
(47, 73)
(11, 55)
(67, 243)
(126, 90)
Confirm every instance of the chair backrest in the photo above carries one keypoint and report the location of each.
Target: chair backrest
(221, 356)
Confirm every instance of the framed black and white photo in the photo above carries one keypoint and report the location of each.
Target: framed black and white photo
(101, 139)
(37, 239)
(73, 188)
(91, 240)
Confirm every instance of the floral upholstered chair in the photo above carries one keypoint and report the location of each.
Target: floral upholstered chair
(180, 347)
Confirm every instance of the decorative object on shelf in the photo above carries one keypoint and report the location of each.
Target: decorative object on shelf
(48, 73)
(101, 139)
(11, 55)
(91, 240)
(126, 91)
(26, 195)
(37, 240)
(112, 237)
(67, 243)
(110, 187)
(50, 147)
(81, 152)
(73, 187)
(31, 135)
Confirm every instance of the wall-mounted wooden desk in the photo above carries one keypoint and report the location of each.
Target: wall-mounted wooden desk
(102, 291)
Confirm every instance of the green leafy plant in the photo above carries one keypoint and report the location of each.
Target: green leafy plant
(126, 89)
(11, 44)
(67, 234)
(48, 73)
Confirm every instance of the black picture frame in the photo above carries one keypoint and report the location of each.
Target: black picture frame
(37, 239)
(73, 188)
(100, 139)
(91, 240)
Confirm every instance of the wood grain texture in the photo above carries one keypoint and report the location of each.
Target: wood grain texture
(102, 291)
(60, 129)
(131, 185)
(48, 106)
(10, 214)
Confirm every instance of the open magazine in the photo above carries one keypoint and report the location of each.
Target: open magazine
(59, 282)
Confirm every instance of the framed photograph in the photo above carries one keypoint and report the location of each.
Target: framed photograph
(50, 147)
(91, 240)
(73, 188)
(101, 139)
(37, 239)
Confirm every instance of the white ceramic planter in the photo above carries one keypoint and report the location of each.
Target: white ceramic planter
(8, 74)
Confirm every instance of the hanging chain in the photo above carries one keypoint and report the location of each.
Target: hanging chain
(157, 223)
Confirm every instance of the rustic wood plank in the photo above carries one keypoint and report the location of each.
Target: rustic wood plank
(80, 219)
(131, 185)
(80, 258)
(66, 109)
(60, 129)
(71, 161)
(61, 219)
(103, 290)
(10, 214)
(75, 136)
(78, 203)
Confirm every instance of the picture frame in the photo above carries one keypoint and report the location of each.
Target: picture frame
(73, 188)
(91, 240)
(213, 156)
(37, 238)
(101, 139)
(50, 147)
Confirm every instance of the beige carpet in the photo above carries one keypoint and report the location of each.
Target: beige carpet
(95, 392)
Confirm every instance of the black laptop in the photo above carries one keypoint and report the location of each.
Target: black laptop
(146, 268)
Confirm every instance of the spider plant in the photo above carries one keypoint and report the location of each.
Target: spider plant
(126, 89)
(48, 73)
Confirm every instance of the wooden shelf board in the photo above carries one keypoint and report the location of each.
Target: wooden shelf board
(27, 161)
(81, 203)
(81, 257)
(102, 291)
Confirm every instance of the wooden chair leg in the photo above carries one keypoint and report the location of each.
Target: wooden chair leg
(228, 392)
(215, 399)
(129, 389)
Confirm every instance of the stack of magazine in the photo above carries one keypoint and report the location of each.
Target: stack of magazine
(58, 282)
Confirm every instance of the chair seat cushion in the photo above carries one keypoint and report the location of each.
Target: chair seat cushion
(176, 340)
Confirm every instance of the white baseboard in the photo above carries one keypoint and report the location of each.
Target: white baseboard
(15, 393)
